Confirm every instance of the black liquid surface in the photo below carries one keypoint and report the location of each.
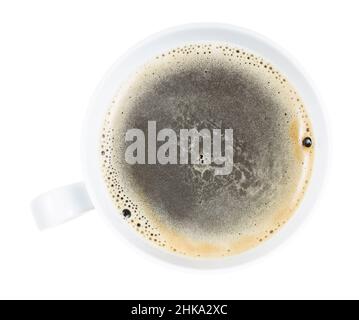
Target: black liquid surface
(210, 91)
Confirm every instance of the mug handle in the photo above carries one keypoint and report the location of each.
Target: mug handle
(61, 205)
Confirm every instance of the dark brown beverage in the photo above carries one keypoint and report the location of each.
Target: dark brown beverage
(188, 208)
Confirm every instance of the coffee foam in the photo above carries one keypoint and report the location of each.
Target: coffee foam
(186, 209)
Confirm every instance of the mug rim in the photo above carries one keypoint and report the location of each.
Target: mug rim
(147, 49)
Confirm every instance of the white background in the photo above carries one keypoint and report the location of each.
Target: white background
(52, 56)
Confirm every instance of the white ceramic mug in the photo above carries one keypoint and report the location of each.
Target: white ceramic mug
(58, 206)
